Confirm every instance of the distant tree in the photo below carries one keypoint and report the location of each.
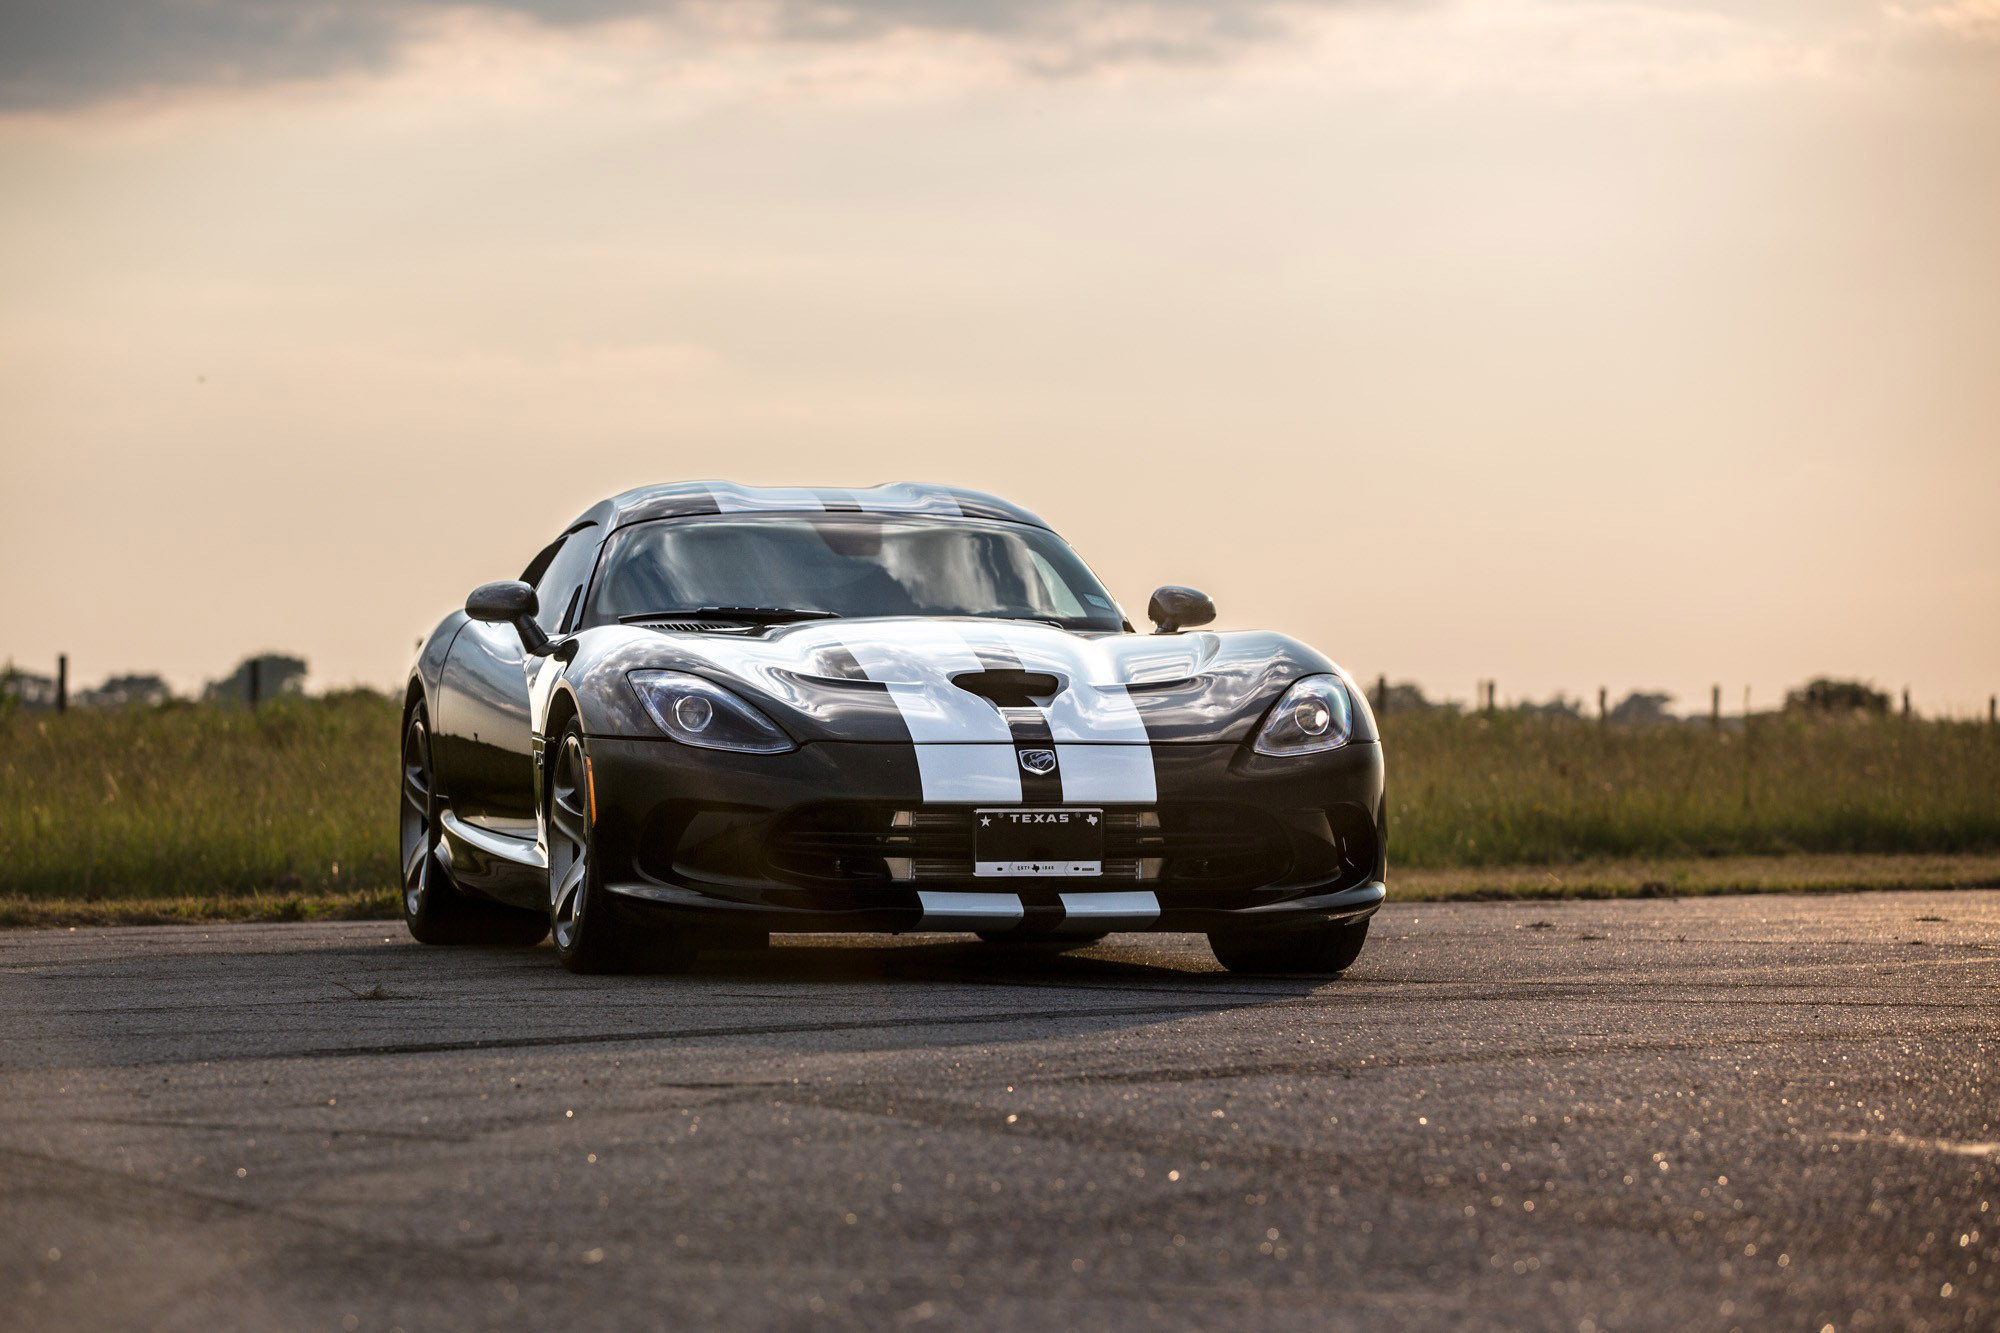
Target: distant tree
(276, 675)
(1560, 706)
(25, 689)
(123, 691)
(1403, 697)
(1826, 695)
(1642, 708)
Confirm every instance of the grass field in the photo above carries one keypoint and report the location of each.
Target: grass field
(199, 813)
(1513, 789)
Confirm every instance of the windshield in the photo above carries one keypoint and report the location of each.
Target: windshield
(850, 565)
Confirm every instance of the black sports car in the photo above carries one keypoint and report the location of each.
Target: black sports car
(706, 712)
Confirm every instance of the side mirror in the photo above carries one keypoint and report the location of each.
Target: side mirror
(1175, 608)
(510, 603)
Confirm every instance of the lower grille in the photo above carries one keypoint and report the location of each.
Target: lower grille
(1211, 845)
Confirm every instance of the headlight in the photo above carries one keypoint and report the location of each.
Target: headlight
(1315, 714)
(695, 712)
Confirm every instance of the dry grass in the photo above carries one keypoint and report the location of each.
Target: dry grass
(1804, 873)
(351, 905)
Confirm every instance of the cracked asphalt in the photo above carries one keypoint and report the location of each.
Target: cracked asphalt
(1766, 1112)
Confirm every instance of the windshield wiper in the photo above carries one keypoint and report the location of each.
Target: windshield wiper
(765, 615)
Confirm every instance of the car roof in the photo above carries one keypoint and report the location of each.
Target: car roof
(682, 499)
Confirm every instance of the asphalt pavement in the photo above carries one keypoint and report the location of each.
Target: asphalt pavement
(1766, 1112)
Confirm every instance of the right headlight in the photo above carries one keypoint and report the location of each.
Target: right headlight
(695, 712)
(1314, 714)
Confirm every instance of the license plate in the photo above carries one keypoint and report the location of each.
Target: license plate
(1047, 843)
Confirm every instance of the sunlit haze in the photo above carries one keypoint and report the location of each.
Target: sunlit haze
(1639, 345)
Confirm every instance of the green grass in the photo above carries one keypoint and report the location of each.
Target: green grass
(1466, 790)
(192, 800)
(203, 813)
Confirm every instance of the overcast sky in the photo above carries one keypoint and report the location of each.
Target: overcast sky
(1649, 344)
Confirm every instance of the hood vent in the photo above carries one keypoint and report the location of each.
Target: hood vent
(1010, 688)
(694, 627)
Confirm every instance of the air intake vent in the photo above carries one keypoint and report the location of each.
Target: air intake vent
(1010, 689)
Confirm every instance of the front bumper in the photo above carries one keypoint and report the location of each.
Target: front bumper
(836, 837)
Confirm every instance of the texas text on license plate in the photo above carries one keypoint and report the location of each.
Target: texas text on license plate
(1044, 842)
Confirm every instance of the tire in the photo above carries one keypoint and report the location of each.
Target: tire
(592, 934)
(434, 909)
(1319, 950)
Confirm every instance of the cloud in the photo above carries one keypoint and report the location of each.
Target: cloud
(1971, 21)
(57, 54)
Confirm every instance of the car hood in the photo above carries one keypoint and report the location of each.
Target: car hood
(945, 680)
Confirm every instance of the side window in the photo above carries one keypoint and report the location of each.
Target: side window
(560, 586)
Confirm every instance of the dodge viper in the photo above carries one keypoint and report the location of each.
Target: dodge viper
(706, 712)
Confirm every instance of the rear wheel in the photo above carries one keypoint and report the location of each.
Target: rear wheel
(433, 908)
(591, 934)
(1322, 949)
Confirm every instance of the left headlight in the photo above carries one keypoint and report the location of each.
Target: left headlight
(695, 712)
(1314, 714)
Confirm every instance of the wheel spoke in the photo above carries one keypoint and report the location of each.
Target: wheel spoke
(568, 898)
(568, 823)
(413, 860)
(567, 887)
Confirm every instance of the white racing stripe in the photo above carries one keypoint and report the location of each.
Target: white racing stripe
(733, 499)
(1102, 750)
(1106, 774)
(945, 910)
(1088, 913)
(965, 751)
(894, 498)
(900, 497)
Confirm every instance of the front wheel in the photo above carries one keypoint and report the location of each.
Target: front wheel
(590, 933)
(1319, 950)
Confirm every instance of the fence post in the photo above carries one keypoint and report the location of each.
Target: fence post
(1992, 708)
(62, 682)
(1906, 703)
(1602, 712)
(256, 683)
(1715, 707)
(1382, 693)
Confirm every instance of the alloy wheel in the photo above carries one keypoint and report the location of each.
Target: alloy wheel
(418, 841)
(569, 844)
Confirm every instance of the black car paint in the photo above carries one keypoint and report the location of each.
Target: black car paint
(474, 679)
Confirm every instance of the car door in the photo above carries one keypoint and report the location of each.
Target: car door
(484, 748)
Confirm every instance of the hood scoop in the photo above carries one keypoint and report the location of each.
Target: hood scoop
(1010, 688)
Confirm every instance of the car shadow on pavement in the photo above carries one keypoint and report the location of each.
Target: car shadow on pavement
(1100, 966)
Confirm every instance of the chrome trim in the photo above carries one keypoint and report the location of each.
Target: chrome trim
(516, 850)
(1089, 913)
(945, 910)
